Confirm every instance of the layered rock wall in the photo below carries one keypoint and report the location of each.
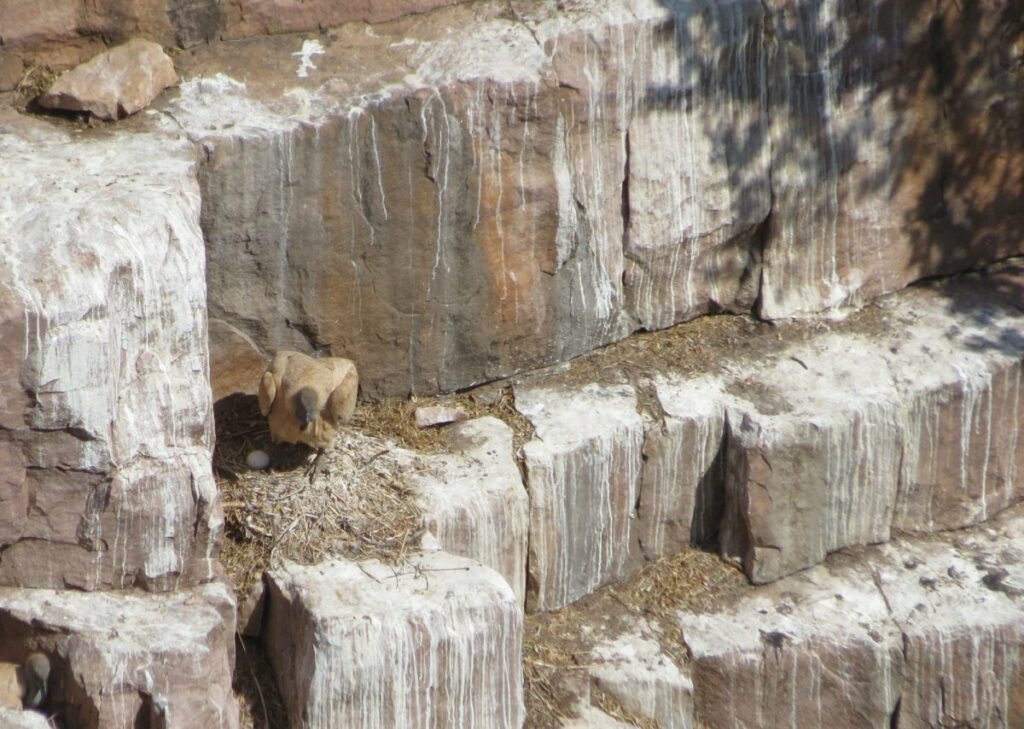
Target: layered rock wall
(501, 187)
(106, 407)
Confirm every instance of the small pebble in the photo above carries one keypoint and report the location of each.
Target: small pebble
(257, 460)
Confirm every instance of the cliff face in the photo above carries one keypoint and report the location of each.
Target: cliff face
(492, 188)
(460, 192)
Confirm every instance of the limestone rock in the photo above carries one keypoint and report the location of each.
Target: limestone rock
(105, 411)
(534, 150)
(583, 475)
(128, 659)
(815, 649)
(695, 198)
(474, 502)
(681, 494)
(18, 719)
(114, 84)
(435, 642)
(852, 217)
(236, 366)
(917, 430)
(912, 632)
(634, 671)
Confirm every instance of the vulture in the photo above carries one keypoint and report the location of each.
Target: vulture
(306, 399)
(24, 686)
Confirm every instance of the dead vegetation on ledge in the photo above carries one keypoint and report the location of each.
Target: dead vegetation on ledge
(357, 507)
(395, 419)
(556, 646)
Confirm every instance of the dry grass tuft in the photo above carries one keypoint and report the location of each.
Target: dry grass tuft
(36, 79)
(356, 507)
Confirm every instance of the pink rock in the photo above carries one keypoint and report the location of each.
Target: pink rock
(114, 84)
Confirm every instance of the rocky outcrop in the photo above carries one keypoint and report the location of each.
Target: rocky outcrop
(583, 475)
(114, 84)
(432, 642)
(681, 496)
(912, 634)
(915, 428)
(532, 149)
(473, 501)
(124, 660)
(105, 410)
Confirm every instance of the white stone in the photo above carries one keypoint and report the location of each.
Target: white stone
(125, 658)
(474, 502)
(433, 641)
(583, 475)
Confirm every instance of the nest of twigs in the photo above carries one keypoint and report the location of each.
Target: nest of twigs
(357, 505)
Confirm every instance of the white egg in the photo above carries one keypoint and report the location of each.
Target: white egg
(257, 460)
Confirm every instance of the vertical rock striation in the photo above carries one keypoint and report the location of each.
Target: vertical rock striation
(105, 410)
(474, 502)
(583, 475)
(124, 660)
(430, 643)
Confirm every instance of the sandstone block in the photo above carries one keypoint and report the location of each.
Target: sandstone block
(114, 84)
(816, 649)
(129, 659)
(682, 495)
(643, 680)
(850, 436)
(474, 502)
(434, 642)
(105, 411)
(583, 474)
(915, 633)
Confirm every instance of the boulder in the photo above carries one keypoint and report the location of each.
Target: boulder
(434, 641)
(114, 84)
(534, 151)
(583, 473)
(473, 500)
(105, 410)
(128, 659)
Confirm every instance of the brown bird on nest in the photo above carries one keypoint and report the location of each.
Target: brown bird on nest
(306, 399)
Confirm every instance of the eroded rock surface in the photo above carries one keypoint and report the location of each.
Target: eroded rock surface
(128, 659)
(912, 634)
(105, 410)
(479, 190)
(435, 641)
(473, 501)
(583, 474)
(114, 84)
